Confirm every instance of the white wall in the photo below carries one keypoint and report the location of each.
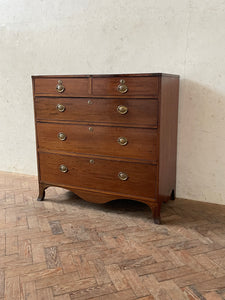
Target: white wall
(124, 36)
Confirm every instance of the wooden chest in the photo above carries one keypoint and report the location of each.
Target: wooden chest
(108, 137)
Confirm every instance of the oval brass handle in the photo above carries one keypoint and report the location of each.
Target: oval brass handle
(63, 168)
(62, 136)
(122, 88)
(122, 176)
(122, 109)
(60, 107)
(122, 141)
(59, 87)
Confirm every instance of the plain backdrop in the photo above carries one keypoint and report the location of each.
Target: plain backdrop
(124, 36)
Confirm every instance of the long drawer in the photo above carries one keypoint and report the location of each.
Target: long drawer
(116, 111)
(120, 177)
(126, 142)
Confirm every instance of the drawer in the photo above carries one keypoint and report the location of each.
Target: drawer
(125, 86)
(61, 87)
(138, 143)
(137, 179)
(118, 111)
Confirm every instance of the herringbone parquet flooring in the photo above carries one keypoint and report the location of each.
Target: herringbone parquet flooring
(65, 248)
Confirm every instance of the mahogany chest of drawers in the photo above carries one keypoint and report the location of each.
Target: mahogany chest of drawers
(108, 137)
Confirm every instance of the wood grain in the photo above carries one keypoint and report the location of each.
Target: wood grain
(56, 227)
(44, 294)
(168, 120)
(103, 140)
(52, 259)
(137, 86)
(12, 288)
(100, 175)
(2, 283)
(73, 87)
(92, 125)
(108, 253)
(141, 112)
(30, 291)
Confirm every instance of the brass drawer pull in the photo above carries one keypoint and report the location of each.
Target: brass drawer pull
(63, 168)
(91, 161)
(60, 87)
(62, 136)
(122, 141)
(122, 176)
(60, 107)
(91, 129)
(122, 88)
(90, 102)
(122, 109)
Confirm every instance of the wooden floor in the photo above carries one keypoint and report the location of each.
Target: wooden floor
(66, 248)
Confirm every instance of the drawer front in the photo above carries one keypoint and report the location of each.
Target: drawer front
(100, 140)
(119, 111)
(61, 87)
(138, 179)
(125, 86)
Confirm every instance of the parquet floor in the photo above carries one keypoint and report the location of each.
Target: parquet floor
(65, 248)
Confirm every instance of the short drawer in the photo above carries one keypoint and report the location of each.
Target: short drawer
(137, 179)
(124, 142)
(61, 87)
(125, 86)
(118, 111)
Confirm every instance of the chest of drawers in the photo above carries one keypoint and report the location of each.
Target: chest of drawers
(108, 137)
